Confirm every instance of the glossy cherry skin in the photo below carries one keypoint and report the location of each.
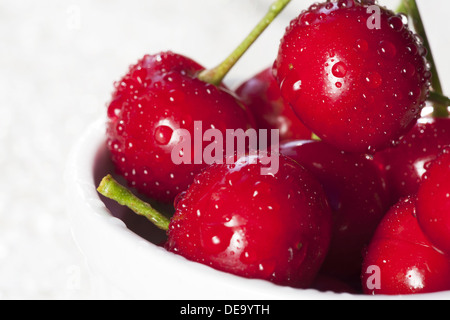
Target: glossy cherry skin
(158, 95)
(358, 196)
(433, 203)
(405, 164)
(274, 227)
(400, 259)
(261, 94)
(357, 88)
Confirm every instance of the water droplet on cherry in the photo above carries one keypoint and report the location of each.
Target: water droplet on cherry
(374, 79)
(362, 45)
(329, 6)
(404, 18)
(339, 70)
(178, 198)
(120, 128)
(387, 49)
(409, 70)
(396, 23)
(215, 239)
(163, 135)
(308, 18)
(176, 96)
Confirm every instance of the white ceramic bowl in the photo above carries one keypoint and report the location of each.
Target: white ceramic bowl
(125, 265)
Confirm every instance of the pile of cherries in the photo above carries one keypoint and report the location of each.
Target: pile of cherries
(361, 200)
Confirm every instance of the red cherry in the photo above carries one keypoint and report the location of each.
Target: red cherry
(355, 86)
(160, 94)
(273, 227)
(406, 163)
(262, 95)
(357, 193)
(433, 203)
(400, 259)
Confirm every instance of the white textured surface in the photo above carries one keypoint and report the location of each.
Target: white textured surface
(58, 60)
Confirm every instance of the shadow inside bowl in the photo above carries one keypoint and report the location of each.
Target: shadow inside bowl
(138, 224)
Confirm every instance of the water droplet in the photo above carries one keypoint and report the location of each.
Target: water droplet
(345, 3)
(248, 257)
(414, 94)
(387, 49)
(163, 135)
(178, 198)
(423, 51)
(362, 45)
(369, 98)
(215, 239)
(398, 95)
(409, 70)
(404, 18)
(418, 39)
(412, 48)
(396, 23)
(266, 268)
(119, 127)
(176, 96)
(114, 110)
(307, 18)
(338, 85)
(290, 88)
(339, 70)
(374, 79)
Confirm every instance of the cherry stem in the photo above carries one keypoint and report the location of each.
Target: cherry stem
(217, 74)
(111, 189)
(410, 8)
(439, 98)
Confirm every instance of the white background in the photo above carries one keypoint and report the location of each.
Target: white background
(58, 62)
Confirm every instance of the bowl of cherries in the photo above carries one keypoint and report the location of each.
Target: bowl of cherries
(326, 175)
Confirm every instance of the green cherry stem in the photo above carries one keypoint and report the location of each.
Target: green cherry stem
(439, 98)
(217, 74)
(410, 8)
(111, 189)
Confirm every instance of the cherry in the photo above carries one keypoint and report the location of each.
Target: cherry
(400, 259)
(405, 164)
(161, 94)
(275, 227)
(262, 95)
(433, 203)
(356, 86)
(358, 196)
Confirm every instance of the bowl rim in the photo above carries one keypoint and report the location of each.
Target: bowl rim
(81, 193)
